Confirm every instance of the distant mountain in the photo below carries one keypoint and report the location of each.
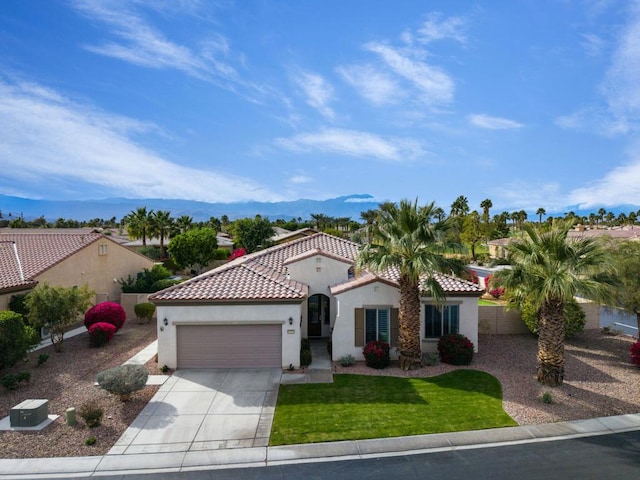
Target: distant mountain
(346, 206)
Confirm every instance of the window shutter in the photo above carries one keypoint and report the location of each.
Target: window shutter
(394, 328)
(359, 327)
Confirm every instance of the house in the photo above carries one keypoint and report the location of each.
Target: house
(254, 311)
(64, 258)
(281, 235)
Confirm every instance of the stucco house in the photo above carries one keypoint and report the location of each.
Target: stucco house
(64, 258)
(254, 311)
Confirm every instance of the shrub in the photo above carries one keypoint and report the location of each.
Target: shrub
(123, 380)
(144, 281)
(305, 358)
(635, 353)
(305, 344)
(546, 398)
(92, 413)
(144, 311)
(23, 376)
(101, 333)
(455, 349)
(17, 303)
(16, 339)
(238, 252)
(494, 292)
(9, 381)
(90, 441)
(107, 312)
(376, 354)
(42, 358)
(574, 318)
(347, 360)
(162, 284)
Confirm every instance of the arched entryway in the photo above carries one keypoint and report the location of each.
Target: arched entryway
(317, 314)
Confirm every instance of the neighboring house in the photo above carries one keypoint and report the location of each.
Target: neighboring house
(224, 241)
(254, 311)
(282, 236)
(64, 258)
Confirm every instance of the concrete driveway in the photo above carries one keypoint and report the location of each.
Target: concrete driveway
(205, 409)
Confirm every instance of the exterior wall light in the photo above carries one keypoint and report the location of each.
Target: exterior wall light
(290, 320)
(166, 322)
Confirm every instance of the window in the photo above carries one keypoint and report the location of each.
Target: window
(376, 324)
(440, 320)
(102, 249)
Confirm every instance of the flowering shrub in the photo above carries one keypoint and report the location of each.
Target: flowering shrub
(635, 353)
(472, 276)
(107, 312)
(101, 333)
(376, 354)
(238, 252)
(455, 349)
(494, 292)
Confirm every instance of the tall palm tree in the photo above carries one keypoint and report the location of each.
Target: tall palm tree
(162, 225)
(139, 224)
(407, 239)
(369, 216)
(548, 270)
(184, 223)
(540, 212)
(460, 206)
(485, 205)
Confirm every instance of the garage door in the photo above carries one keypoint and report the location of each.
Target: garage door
(229, 346)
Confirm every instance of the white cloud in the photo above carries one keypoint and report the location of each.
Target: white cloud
(438, 28)
(300, 179)
(530, 196)
(372, 84)
(435, 86)
(493, 123)
(353, 144)
(592, 44)
(318, 92)
(50, 143)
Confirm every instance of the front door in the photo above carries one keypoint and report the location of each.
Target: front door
(318, 314)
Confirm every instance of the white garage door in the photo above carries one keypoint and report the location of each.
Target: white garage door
(229, 346)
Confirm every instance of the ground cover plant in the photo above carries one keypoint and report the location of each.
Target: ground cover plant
(359, 406)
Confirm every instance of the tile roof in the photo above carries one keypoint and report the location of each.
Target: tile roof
(37, 252)
(263, 275)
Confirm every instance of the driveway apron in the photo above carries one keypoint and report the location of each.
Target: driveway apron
(205, 409)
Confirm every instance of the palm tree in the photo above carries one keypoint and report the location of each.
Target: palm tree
(407, 239)
(460, 206)
(139, 224)
(548, 270)
(540, 212)
(184, 223)
(162, 225)
(485, 205)
(369, 216)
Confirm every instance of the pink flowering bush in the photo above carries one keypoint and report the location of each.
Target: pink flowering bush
(238, 252)
(455, 349)
(376, 354)
(635, 353)
(101, 333)
(107, 312)
(472, 276)
(494, 292)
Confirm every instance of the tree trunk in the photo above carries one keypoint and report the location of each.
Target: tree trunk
(409, 343)
(551, 344)
(638, 324)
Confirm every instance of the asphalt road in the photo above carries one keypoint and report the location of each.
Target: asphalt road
(607, 457)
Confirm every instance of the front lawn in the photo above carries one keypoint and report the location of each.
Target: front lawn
(356, 407)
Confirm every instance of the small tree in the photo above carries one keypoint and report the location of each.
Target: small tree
(195, 248)
(15, 338)
(57, 308)
(252, 233)
(123, 380)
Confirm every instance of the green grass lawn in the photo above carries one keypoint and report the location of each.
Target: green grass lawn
(356, 407)
(486, 302)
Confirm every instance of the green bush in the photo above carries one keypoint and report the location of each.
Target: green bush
(9, 381)
(455, 349)
(347, 360)
(162, 284)
(90, 441)
(17, 303)
(144, 311)
(16, 338)
(144, 281)
(42, 358)
(153, 253)
(92, 413)
(123, 380)
(574, 318)
(23, 376)
(546, 398)
(305, 358)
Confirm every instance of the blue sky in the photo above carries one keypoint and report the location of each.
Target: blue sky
(531, 103)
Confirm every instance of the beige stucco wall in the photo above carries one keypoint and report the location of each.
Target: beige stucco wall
(319, 272)
(100, 272)
(250, 313)
(382, 295)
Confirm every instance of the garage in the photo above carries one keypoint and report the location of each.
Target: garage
(229, 346)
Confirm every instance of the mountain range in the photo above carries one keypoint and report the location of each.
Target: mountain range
(83, 210)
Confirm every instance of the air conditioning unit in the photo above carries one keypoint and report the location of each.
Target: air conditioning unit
(45, 332)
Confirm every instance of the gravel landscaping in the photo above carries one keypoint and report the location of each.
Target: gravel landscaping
(600, 381)
(67, 380)
(599, 378)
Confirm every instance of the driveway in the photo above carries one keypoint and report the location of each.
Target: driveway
(205, 409)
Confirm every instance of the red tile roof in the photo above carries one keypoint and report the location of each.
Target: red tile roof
(37, 252)
(263, 276)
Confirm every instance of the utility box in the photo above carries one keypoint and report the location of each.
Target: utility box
(29, 413)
